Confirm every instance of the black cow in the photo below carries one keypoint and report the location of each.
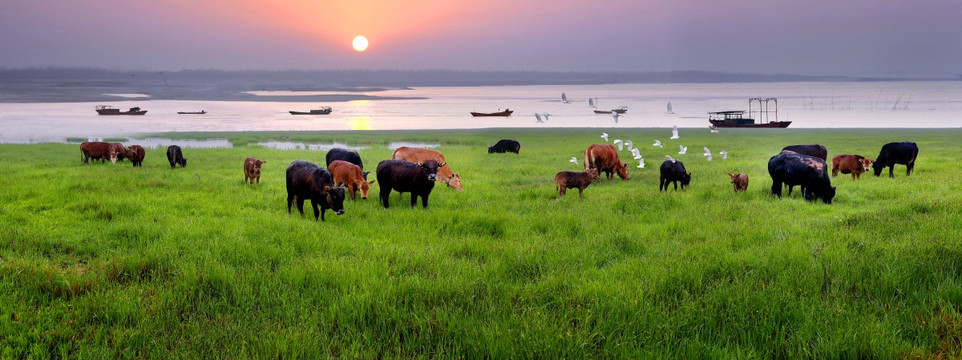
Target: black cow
(815, 150)
(810, 172)
(896, 153)
(175, 156)
(308, 181)
(505, 145)
(347, 155)
(406, 176)
(673, 171)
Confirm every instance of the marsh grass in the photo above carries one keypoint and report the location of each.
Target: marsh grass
(106, 260)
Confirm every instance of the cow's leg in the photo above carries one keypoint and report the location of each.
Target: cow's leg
(675, 182)
(385, 195)
(258, 179)
(424, 200)
(562, 190)
(777, 188)
(317, 213)
(414, 198)
(834, 171)
(580, 190)
(892, 170)
(300, 204)
(909, 167)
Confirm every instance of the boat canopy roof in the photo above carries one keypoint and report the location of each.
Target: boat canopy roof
(729, 112)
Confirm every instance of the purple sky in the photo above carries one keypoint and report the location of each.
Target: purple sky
(813, 37)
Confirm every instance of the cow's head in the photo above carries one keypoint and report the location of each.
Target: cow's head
(113, 151)
(183, 162)
(733, 177)
(866, 163)
(257, 166)
(335, 198)
(686, 179)
(877, 167)
(365, 186)
(430, 168)
(490, 149)
(593, 173)
(454, 182)
(622, 170)
(828, 195)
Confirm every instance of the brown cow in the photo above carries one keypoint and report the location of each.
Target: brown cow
(740, 181)
(252, 170)
(95, 150)
(849, 163)
(420, 155)
(348, 174)
(569, 180)
(136, 155)
(604, 157)
(116, 152)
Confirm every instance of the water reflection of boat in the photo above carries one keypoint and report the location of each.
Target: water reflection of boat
(324, 110)
(506, 112)
(620, 110)
(108, 110)
(737, 119)
(202, 112)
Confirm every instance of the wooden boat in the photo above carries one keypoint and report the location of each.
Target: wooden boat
(202, 112)
(737, 119)
(322, 111)
(620, 110)
(107, 110)
(506, 112)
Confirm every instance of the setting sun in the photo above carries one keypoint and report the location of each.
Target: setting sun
(360, 43)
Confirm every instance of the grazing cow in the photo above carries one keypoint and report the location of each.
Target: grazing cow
(896, 153)
(569, 180)
(604, 157)
(347, 174)
(136, 155)
(347, 155)
(815, 150)
(252, 170)
(94, 150)
(117, 152)
(308, 181)
(849, 163)
(740, 181)
(810, 172)
(175, 156)
(405, 176)
(420, 155)
(505, 145)
(673, 171)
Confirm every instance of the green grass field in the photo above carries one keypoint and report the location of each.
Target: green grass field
(107, 261)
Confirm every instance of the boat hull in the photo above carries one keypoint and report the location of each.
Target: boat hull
(141, 112)
(617, 111)
(324, 112)
(500, 113)
(770, 125)
(191, 112)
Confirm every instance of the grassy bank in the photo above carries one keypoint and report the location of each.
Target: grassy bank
(107, 260)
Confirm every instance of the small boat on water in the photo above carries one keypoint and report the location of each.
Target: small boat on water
(202, 112)
(737, 119)
(506, 112)
(108, 110)
(620, 110)
(324, 110)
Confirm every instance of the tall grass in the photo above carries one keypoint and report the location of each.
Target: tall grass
(106, 260)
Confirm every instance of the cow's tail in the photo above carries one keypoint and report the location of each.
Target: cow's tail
(589, 155)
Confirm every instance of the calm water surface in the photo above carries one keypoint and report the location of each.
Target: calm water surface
(923, 104)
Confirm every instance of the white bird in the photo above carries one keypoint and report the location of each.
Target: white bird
(636, 153)
(541, 118)
(670, 158)
(629, 144)
(615, 115)
(724, 154)
(706, 150)
(592, 102)
(707, 154)
(604, 136)
(713, 129)
(682, 150)
(674, 132)
(657, 143)
(641, 163)
(669, 108)
(574, 160)
(620, 144)
(564, 98)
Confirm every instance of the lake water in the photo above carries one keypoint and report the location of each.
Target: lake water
(916, 104)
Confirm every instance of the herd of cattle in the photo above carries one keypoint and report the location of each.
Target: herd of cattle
(416, 170)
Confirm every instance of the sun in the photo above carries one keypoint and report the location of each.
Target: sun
(360, 43)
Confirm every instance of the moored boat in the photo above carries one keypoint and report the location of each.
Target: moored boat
(324, 110)
(202, 112)
(108, 110)
(737, 119)
(506, 112)
(620, 110)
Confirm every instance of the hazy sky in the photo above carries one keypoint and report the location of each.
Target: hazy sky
(811, 37)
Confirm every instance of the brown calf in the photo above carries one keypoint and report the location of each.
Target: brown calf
(569, 180)
(740, 181)
(95, 150)
(252, 170)
(136, 155)
(849, 163)
(349, 175)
